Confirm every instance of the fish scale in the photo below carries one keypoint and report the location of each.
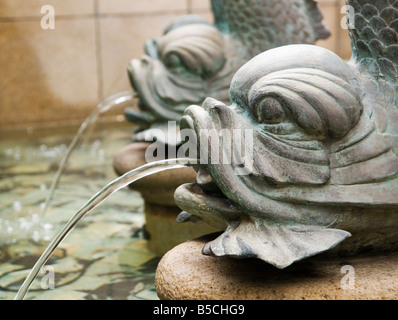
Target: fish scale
(263, 24)
(298, 201)
(375, 37)
(195, 59)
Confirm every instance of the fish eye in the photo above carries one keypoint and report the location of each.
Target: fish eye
(268, 110)
(172, 60)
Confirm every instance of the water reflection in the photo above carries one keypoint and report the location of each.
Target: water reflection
(106, 256)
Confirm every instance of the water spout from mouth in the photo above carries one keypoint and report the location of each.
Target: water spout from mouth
(94, 201)
(115, 100)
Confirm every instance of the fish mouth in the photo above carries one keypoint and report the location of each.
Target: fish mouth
(154, 111)
(150, 102)
(228, 190)
(205, 198)
(205, 201)
(162, 93)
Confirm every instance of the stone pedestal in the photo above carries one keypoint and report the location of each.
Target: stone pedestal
(184, 273)
(158, 192)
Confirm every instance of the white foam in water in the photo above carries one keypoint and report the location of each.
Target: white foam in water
(36, 236)
(17, 206)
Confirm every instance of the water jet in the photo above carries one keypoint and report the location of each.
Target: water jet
(93, 202)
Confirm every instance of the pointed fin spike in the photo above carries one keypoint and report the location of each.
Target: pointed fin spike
(187, 217)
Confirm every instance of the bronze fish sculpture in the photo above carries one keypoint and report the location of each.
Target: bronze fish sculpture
(322, 171)
(195, 59)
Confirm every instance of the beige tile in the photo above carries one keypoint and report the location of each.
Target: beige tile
(343, 42)
(122, 39)
(140, 6)
(328, 9)
(50, 75)
(200, 4)
(344, 45)
(327, 2)
(28, 8)
(339, 41)
(207, 15)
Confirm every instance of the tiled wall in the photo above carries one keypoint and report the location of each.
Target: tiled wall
(56, 76)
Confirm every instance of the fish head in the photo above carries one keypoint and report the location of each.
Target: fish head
(178, 69)
(287, 104)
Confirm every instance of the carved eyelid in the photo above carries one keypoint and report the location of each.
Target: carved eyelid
(172, 57)
(256, 98)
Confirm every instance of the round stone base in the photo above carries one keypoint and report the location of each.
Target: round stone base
(164, 232)
(184, 273)
(156, 188)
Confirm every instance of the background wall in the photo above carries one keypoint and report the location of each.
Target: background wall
(52, 77)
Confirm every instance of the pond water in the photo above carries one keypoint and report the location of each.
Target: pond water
(105, 256)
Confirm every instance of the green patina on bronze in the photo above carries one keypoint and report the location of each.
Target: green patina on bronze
(194, 59)
(324, 168)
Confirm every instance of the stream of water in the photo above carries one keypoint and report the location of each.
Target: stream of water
(100, 196)
(115, 100)
(106, 256)
(38, 222)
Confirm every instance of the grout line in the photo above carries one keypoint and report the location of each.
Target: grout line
(189, 6)
(337, 28)
(95, 15)
(38, 18)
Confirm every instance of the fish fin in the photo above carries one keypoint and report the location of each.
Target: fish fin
(263, 24)
(219, 16)
(186, 216)
(277, 244)
(316, 17)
